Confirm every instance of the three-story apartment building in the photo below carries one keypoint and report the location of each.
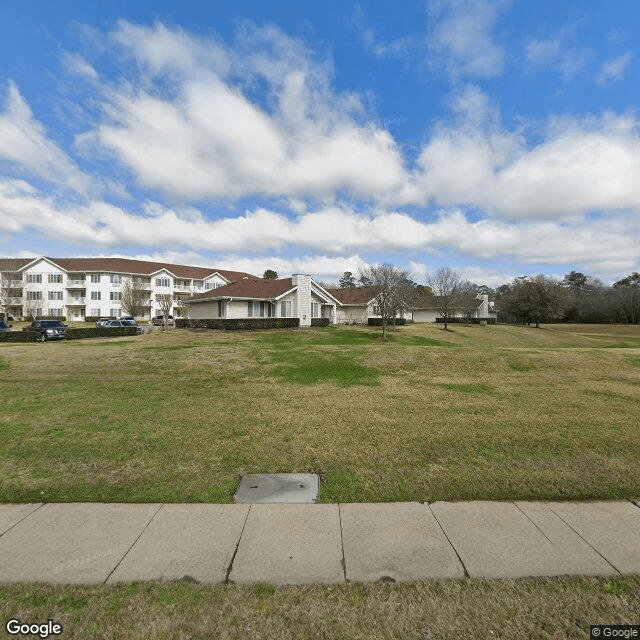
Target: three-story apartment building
(77, 288)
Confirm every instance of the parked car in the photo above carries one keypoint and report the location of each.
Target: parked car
(4, 326)
(159, 320)
(47, 329)
(103, 322)
(123, 323)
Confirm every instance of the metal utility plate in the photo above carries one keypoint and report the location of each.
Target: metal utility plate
(278, 487)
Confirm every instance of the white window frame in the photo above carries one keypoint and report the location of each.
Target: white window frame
(285, 308)
(96, 295)
(115, 295)
(34, 278)
(95, 278)
(55, 278)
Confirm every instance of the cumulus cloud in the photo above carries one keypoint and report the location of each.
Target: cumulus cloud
(207, 137)
(580, 166)
(460, 37)
(24, 141)
(330, 232)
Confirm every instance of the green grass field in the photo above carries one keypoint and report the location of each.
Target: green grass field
(497, 412)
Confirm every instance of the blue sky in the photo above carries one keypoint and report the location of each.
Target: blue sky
(500, 138)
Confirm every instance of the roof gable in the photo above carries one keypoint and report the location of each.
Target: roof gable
(248, 287)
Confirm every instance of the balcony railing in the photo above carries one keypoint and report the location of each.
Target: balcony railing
(76, 284)
(181, 287)
(74, 302)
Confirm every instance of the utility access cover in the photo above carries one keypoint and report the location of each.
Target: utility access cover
(278, 487)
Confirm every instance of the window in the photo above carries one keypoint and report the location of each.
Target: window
(376, 310)
(211, 285)
(115, 279)
(95, 278)
(55, 295)
(95, 311)
(259, 309)
(115, 295)
(56, 278)
(163, 282)
(55, 312)
(34, 278)
(95, 295)
(115, 313)
(222, 309)
(34, 295)
(314, 309)
(285, 309)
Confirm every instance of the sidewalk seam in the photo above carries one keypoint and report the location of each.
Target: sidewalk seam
(583, 539)
(15, 524)
(230, 567)
(444, 533)
(133, 543)
(344, 561)
(533, 523)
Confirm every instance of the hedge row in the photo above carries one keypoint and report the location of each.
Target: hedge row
(467, 320)
(320, 322)
(100, 332)
(17, 336)
(71, 334)
(377, 322)
(235, 324)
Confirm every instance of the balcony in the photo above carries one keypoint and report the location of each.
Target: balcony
(76, 284)
(77, 302)
(181, 287)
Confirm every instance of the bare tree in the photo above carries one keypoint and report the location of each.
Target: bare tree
(446, 286)
(468, 300)
(165, 300)
(6, 289)
(134, 297)
(385, 283)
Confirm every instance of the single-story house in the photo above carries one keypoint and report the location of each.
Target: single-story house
(251, 297)
(424, 309)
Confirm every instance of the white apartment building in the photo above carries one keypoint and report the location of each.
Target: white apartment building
(77, 288)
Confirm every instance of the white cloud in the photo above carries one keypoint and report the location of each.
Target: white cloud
(580, 166)
(460, 37)
(559, 52)
(23, 140)
(206, 137)
(613, 70)
(330, 232)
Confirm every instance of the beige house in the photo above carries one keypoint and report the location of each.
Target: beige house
(252, 297)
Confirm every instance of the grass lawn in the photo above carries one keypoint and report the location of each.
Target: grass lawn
(492, 413)
(438, 609)
(497, 412)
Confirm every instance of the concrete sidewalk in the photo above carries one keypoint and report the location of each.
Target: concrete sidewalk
(306, 543)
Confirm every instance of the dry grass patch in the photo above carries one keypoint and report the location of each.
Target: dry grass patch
(542, 608)
(180, 416)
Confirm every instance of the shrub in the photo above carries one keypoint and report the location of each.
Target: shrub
(320, 322)
(100, 332)
(467, 320)
(377, 322)
(236, 324)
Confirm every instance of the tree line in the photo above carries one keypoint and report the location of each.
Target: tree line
(526, 300)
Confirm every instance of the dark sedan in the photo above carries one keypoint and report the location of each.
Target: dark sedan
(47, 330)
